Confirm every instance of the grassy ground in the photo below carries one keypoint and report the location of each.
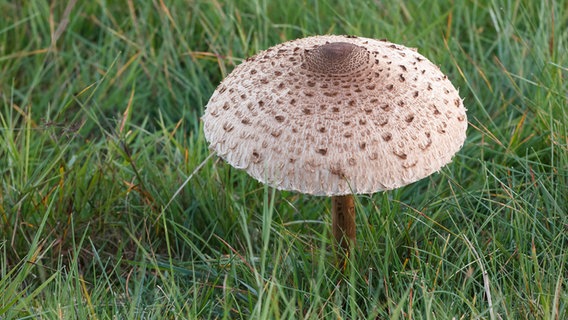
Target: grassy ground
(99, 126)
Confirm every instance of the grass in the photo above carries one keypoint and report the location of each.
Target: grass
(100, 104)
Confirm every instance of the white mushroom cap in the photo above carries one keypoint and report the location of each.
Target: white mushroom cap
(334, 115)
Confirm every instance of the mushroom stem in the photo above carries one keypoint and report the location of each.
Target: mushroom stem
(343, 221)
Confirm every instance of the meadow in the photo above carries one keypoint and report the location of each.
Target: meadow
(112, 206)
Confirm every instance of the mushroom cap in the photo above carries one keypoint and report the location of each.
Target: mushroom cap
(335, 115)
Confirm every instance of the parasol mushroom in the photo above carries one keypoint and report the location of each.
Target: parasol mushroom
(336, 116)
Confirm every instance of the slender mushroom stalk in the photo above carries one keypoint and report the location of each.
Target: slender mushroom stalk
(336, 116)
(343, 221)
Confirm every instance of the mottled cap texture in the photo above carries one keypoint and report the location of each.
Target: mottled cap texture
(335, 115)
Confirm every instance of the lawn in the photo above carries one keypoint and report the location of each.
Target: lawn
(112, 206)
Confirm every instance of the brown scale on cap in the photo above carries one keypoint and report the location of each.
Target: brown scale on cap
(363, 115)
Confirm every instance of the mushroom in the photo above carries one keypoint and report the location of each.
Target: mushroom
(336, 116)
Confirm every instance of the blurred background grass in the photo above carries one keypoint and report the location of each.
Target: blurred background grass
(100, 106)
